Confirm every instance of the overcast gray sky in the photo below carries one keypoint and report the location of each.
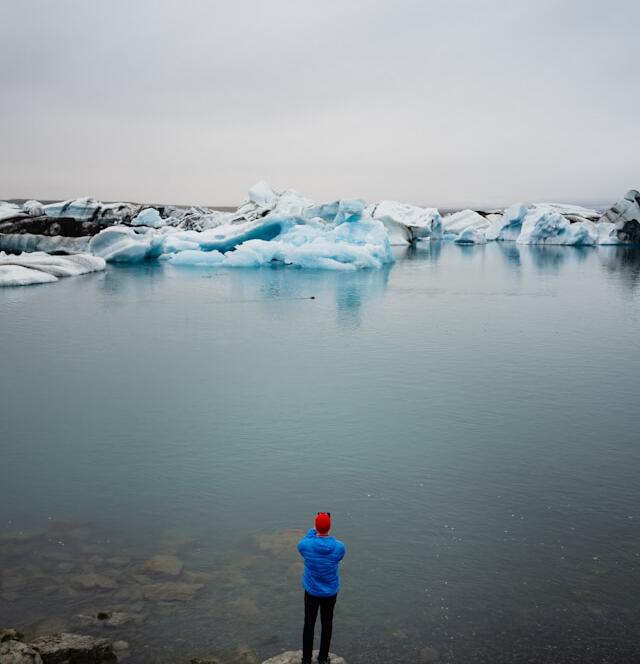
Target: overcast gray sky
(426, 101)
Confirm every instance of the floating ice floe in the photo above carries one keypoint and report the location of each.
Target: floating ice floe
(355, 241)
(573, 213)
(121, 244)
(407, 223)
(33, 208)
(545, 226)
(40, 268)
(263, 200)
(10, 211)
(507, 226)
(471, 235)
(458, 221)
(148, 217)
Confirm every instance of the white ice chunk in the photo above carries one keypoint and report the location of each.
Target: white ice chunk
(228, 236)
(17, 275)
(121, 244)
(197, 258)
(570, 211)
(471, 235)
(356, 242)
(179, 242)
(407, 223)
(38, 267)
(148, 217)
(262, 194)
(508, 225)
(458, 221)
(607, 233)
(545, 226)
(33, 208)
(10, 210)
(263, 200)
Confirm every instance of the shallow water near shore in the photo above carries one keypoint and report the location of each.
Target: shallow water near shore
(468, 415)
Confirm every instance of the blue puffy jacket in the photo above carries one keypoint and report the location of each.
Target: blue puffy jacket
(321, 558)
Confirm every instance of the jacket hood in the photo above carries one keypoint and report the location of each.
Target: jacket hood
(324, 545)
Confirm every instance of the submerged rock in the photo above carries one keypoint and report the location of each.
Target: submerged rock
(171, 591)
(295, 656)
(164, 564)
(428, 655)
(91, 581)
(67, 648)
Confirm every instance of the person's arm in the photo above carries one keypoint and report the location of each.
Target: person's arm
(302, 543)
(343, 550)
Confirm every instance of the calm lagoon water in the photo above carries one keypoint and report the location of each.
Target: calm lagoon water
(469, 416)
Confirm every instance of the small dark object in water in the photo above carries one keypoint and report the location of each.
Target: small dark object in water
(313, 297)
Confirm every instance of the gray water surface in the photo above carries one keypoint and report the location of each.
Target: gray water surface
(469, 416)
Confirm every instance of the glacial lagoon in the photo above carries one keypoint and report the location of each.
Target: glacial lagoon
(468, 415)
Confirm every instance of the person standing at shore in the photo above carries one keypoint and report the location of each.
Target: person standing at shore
(322, 554)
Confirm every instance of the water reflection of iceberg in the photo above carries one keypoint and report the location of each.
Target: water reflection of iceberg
(622, 260)
(551, 257)
(355, 289)
(510, 251)
(350, 291)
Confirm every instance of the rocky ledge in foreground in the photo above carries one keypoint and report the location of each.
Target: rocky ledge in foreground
(295, 656)
(64, 648)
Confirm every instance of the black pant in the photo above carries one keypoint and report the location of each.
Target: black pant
(311, 606)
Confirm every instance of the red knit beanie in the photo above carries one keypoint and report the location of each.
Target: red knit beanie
(323, 522)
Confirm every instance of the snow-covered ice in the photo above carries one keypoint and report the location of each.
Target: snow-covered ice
(148, 217)
(458, 221)
(471, 235)
(407, 223)
(38, 268)
(121, 244)
(355, 241)
(507, 227)
(543, 225)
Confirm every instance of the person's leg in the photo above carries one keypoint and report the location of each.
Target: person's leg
(311, 605)
(326, 618)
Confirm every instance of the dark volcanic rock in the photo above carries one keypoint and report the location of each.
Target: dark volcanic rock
(43, 225)
(625, 214)
(68, 648)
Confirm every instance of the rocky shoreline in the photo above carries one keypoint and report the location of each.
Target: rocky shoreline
(74, 594)
(68, 648)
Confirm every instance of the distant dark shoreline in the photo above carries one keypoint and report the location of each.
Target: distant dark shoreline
(601, 207)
